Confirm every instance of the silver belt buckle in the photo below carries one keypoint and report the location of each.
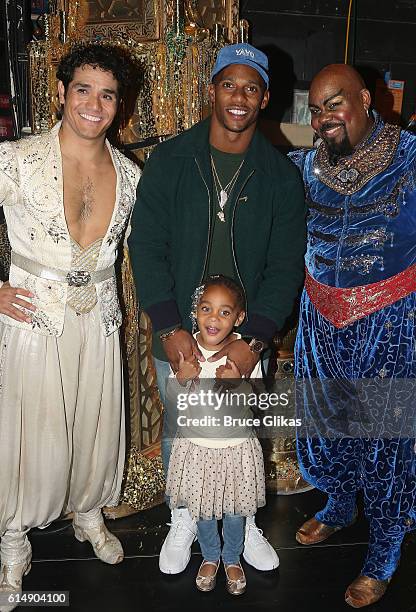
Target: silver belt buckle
(78, 278)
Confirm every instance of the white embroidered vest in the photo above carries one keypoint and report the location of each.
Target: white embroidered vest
(31, 192)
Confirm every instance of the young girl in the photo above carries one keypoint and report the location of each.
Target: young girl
(217, 478)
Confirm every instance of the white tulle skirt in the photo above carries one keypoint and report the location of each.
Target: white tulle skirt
(212, 482)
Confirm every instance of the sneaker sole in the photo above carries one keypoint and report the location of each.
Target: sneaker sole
(261, 569)
(167, 570)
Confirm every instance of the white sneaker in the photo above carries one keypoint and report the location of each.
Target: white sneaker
(176, 549)
(257, 550)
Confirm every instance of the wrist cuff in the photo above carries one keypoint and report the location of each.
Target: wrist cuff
(164, 315)
(259, 327)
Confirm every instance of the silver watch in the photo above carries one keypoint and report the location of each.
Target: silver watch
(257, 346)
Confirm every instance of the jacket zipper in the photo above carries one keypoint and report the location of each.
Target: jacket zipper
(209, 221)
(232, 231)
(232, 240)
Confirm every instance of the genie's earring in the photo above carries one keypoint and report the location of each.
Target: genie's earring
(368, 112)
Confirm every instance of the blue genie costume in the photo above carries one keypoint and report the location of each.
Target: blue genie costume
(356, 344)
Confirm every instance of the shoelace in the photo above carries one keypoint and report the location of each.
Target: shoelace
(258, 534)
(182, 528)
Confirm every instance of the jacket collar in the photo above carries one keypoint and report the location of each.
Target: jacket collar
(195, 143)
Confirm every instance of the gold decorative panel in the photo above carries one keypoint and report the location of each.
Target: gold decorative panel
(175, 44)
(137, 19)
(225, 12)
(205, 14)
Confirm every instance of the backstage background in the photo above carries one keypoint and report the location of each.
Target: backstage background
(300, 37)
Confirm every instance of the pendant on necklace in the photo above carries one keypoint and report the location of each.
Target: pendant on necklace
(223, 198)
(221, 216)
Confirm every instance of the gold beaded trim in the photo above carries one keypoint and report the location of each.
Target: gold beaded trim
(351, 173)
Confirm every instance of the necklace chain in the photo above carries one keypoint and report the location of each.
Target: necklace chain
(223, 193)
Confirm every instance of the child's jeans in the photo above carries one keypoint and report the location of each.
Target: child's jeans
(233, 535)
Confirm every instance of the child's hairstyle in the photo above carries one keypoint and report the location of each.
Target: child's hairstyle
(221, 281)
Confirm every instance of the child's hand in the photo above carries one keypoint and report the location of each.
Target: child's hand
(228, 370)
(189, 369)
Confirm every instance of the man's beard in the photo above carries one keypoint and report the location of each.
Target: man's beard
(339, 149)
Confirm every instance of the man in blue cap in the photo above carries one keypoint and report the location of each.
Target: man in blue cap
(218, 199)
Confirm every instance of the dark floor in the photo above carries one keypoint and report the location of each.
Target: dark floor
(309, 578)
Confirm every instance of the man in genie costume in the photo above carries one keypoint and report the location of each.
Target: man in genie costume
(356, 347)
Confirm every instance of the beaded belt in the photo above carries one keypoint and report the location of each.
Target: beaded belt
(74, 278)
(344, 306)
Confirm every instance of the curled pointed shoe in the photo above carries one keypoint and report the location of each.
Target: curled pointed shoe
(313, 531)
(11, 581)
(106, 546)
(364, 591)
(206, 583)
(235, 586)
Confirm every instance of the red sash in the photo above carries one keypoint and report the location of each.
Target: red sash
(344, 306)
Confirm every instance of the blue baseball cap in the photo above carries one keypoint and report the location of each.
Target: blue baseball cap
(242, 53)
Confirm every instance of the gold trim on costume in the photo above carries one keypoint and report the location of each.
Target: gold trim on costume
(350, 174)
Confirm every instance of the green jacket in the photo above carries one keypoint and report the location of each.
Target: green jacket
(171, 231)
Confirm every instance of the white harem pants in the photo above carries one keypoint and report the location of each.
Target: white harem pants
(62, 435)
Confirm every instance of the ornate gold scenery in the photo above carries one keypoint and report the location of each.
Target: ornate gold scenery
(175, 43)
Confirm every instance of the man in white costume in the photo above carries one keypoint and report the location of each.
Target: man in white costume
(67, 197)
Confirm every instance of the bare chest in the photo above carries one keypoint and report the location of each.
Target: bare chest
(89, 200)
